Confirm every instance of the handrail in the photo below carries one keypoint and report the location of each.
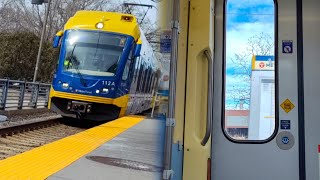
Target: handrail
(15, 94)
(210, 97)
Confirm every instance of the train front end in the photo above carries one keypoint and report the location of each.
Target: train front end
(92, 78)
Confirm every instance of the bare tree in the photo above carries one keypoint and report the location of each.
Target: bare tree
(260, 44)
(20, 15)
(20, 19)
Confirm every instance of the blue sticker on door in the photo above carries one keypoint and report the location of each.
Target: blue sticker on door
(287, 46)
(285, 124)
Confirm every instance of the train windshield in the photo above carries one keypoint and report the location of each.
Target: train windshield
(93, 53)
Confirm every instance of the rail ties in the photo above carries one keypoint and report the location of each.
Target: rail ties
(21, 138)
(12, 130)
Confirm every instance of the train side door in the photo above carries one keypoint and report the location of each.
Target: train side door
(196, 20)
(255, 102)
(311, 28)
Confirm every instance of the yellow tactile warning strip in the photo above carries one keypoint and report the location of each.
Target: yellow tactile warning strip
(41, 162)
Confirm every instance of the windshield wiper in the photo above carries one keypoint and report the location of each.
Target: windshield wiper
(74, 63)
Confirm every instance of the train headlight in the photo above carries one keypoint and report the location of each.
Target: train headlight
(69, 105)
(99, 25)
(65, 85)
(97, 91)
(105, 90)
(89, 107)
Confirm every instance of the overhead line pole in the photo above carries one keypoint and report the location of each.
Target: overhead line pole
(170, 121)
(136, 4)
(41, 41)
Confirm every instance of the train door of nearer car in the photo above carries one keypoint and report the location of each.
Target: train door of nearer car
(256, 104)
(311, 38)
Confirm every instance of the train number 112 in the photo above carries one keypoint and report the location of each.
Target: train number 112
(108, 83)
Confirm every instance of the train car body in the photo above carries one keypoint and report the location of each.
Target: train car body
(103, 59)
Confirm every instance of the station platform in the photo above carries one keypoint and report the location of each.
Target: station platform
(127, 148)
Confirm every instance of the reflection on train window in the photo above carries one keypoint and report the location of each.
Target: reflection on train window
(126, 70)
(249, 112)
(128, 64)
(96, 54)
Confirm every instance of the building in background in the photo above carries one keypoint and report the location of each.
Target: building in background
(262, 98)
(257, 121)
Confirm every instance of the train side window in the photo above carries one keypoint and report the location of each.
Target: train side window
(135, 67)
(250, 61)
(145, 76)
(138, 68)
(128, 64)
(126, 70)
(149, 81)
(145, 85)
(140, 76)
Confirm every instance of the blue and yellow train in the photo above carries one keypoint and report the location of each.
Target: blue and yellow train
(106, 68)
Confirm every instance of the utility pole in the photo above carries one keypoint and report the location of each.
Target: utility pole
(173, 49)
(39, 2)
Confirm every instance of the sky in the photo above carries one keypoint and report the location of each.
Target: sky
(244, 19)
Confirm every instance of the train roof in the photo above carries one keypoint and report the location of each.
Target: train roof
(112, 22)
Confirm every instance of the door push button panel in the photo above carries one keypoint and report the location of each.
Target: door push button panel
(285, 140)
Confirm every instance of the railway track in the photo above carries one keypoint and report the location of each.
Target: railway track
(20, 138)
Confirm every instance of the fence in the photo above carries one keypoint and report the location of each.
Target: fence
(22, 94)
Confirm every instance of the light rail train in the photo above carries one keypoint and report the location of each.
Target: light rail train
(106, 68)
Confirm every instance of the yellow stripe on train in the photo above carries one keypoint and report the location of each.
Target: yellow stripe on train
(120, 101)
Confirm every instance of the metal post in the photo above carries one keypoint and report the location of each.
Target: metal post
(36, 91)
(47, 96)
(170, 121)
(41, 41)
(21, 97)
(5, 94)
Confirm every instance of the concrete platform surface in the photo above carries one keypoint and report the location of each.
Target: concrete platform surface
(136, 154)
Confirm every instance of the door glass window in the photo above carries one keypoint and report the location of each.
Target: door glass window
(249, 85)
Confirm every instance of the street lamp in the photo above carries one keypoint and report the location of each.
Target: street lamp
(40, 2)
